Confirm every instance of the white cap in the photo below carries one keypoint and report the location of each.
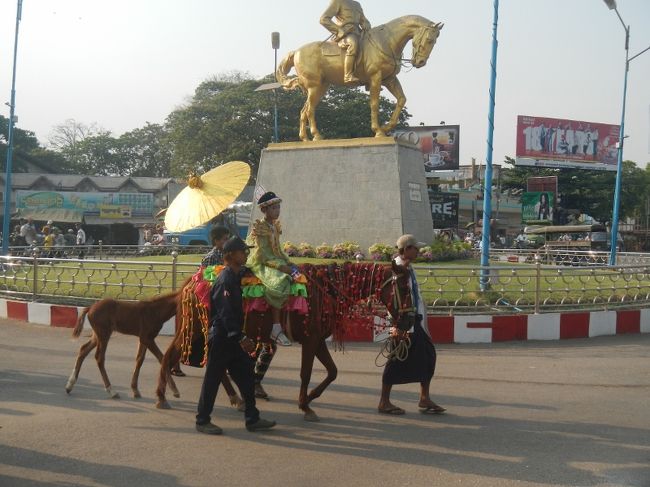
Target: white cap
(409, 240)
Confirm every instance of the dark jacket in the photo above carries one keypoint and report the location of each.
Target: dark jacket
(226, 311)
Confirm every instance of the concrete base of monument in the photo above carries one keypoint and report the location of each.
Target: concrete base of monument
(366, 190)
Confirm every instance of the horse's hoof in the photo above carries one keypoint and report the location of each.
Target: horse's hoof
(112, 394)
(311, 416)
(136, 395)
(163, 405)
(176, 394)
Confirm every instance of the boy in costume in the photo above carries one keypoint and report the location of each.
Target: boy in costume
(269, 263)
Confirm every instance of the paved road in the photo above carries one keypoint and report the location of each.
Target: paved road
(575, 412)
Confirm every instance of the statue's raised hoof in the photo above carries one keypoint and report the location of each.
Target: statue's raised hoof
(163, 405)
(176, 394)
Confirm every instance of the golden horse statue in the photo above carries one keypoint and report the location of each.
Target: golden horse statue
(320, 64)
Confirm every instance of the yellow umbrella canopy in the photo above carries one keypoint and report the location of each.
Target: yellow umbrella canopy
(206, 196)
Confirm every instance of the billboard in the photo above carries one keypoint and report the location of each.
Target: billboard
(537, 207)
(439, 145)
(103, 205)
(444, 209)
(553, 142)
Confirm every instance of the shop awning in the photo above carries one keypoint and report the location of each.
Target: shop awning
(136, 221)
(57, 215)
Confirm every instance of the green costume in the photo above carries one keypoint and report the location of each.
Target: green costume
(266, 258)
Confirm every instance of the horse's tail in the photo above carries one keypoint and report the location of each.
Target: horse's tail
(283, 70)
(80, 323)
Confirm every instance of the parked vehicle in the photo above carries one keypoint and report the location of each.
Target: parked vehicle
(236, 218)
(575, 237)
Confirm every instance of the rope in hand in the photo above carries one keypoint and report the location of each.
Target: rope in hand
(394, 351)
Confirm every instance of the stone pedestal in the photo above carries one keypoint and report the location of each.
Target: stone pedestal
(367, 190)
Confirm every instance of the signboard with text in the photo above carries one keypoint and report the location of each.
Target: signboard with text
(444, 209)
(439, 145)
(103, 205)
(553, 142)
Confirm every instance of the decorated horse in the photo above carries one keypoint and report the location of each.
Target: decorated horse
(335, 295)
(321, 64)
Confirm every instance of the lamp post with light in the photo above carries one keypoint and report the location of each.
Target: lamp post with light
(275, 43)
(10, 141)
(621, 138)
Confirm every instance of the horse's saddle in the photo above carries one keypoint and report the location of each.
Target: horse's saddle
(330, 48)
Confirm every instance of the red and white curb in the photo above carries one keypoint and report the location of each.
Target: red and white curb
(443, 329)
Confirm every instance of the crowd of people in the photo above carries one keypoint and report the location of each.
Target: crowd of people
(53, 240)
(153, 234)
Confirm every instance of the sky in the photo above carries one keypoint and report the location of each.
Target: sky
(123, 63)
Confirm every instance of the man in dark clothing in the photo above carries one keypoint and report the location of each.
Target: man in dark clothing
(229, 348)
(218, 236)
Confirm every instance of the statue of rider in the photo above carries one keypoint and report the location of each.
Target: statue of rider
(346, 31)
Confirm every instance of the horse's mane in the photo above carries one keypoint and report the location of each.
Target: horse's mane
(416, 20)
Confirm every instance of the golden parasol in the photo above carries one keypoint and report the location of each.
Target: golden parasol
(206, 196)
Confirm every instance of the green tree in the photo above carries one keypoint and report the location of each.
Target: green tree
(147, 151)
(27, 150)
(99, 155)
(228, 120)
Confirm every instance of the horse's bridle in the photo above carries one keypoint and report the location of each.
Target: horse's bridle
(418, 47)
(403, 313)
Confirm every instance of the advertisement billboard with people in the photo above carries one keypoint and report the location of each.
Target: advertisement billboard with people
(537, 207)
(553, 142)
(439, 145)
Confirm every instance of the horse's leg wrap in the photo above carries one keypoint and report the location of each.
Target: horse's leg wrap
(71, 382)
(111, 393)
(263, 362)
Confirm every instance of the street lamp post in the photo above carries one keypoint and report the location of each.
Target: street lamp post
(275, 43)
(10, 141)
(621, 138)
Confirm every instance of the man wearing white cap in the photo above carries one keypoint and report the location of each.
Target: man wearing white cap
(420, 364)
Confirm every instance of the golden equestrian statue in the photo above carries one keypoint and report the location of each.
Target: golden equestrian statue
(378, 60)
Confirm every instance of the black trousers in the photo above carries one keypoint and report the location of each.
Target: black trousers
(226, 354)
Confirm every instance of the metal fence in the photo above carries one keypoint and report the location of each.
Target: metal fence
(529, 285)
(102, 251)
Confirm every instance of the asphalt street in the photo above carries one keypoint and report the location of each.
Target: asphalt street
(573, 412)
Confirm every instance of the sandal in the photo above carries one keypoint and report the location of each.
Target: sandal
(394, 410)
(435, 409)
